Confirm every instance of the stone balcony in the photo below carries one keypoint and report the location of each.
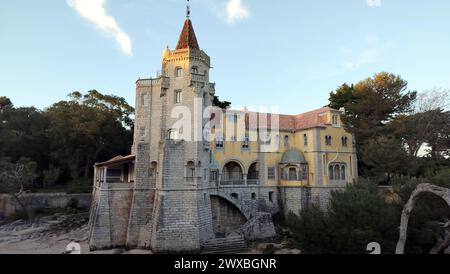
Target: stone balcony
(162, 81)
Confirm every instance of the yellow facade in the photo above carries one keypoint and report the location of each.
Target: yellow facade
(328, 164)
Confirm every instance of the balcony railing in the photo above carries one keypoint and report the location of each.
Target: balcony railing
(232, 182)
(163, 81)
(198, 77)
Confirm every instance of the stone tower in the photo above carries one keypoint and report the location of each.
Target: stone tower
(170, 208)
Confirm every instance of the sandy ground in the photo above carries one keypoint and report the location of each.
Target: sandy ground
(52, 234)
(48, 235)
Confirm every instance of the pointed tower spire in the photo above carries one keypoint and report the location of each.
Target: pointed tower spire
(188, 9)
(187, 37)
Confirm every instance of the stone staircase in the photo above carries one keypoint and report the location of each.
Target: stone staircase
(228, 245)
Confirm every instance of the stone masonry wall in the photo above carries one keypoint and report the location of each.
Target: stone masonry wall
(36, 201)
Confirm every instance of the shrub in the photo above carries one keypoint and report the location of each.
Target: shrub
(357, 216)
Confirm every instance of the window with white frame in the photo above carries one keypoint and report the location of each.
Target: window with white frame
(172, 134)
(337, 172)
(335, 120)
(178, 96)
(190, 170)
(271, 173)
(219, 142)
(144, 99)
(178, 72)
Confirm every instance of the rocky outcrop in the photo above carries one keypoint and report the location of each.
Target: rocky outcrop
(259, 227)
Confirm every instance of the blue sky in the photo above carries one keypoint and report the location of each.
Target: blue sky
(288, 53)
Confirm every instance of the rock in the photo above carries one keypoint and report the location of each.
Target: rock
(296, 251)
(283, 251)
(138, 251)
(270, 249)
(117, 251)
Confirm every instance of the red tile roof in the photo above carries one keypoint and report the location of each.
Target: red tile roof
(117, 160)
(311, 119)
(187, 37)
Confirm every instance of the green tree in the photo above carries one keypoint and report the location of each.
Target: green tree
(23, 133)
(370, 105)
(425, 133)
(5, 103)
(87, 129)
(356, 216)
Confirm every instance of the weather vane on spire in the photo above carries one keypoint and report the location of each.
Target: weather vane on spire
(188, 10)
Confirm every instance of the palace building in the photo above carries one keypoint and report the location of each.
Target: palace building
(181, 194)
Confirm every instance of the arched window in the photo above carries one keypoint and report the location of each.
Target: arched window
(344, 141)
(194, 70)
(232, 174)
(328, 140)
(190, 170)
(331, 172)
(343, 174)
(172, 134)
(292, 174)
(337, 172)
(286, 141)
(152, 170)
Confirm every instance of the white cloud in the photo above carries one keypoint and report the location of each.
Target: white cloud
(236, 11)
(95, 12)
(368, 56)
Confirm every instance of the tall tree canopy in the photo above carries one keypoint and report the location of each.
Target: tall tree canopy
(370, 106)
(66, 139)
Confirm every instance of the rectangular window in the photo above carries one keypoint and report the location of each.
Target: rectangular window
(190, 172)
(271, 196)
(335, 120)
(304, 172)
(246, 143)
(305, 139)
(219, 142)
(142, 131)
(178, 96)
(144, 100)
(213, 176)
(178, 72)
(271, 173)
(286, 141)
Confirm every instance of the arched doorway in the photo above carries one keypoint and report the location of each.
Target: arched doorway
(226, 217)
(232, 174)
(253, 174)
